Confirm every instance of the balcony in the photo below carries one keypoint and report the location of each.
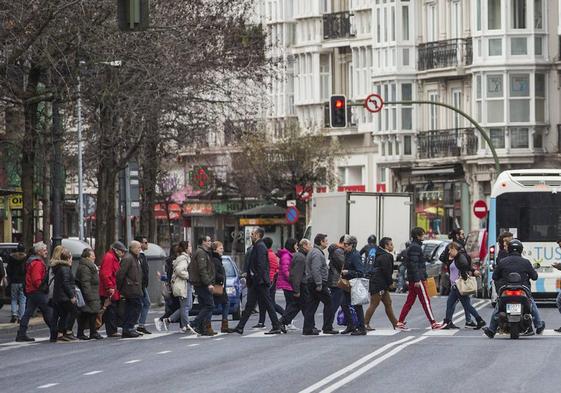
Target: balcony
(337, 26)
(445, 54)
(447, 143)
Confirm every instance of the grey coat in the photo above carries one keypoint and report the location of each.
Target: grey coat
(297, 271)
(316, 267)
(87, 279)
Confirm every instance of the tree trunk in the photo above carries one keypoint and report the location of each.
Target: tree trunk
(149, 164)
(47, 187)
(58, 175)
(28, 159)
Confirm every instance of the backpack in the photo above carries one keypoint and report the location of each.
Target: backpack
(48, 285)
(369, 262)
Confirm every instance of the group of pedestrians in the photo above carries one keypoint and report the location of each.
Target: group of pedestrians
(115, 294)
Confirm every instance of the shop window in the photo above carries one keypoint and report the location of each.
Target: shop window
(519, 138)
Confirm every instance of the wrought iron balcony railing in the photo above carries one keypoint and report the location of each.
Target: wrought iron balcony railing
(447, 143)
(444, 54)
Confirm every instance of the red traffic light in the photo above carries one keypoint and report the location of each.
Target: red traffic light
(339, 104)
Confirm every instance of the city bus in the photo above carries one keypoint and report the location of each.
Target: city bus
(527, 203)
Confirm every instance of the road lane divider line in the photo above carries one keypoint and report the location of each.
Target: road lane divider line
(355, 364)
(374, 363)
(193, 345)
(93, 372)
(133, 361)
(163, 352)
(48, 385)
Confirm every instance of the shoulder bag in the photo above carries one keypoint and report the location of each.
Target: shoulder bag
(468, 286)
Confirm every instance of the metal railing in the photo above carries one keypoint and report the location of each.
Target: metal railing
(337, 25)
(447, 143)
(445, 54)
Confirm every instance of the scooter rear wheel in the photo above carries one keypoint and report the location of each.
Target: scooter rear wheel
(514, 330)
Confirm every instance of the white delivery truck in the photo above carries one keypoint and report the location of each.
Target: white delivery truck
(362, 214)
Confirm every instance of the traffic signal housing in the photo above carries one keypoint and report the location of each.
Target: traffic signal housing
(133, 15)
(338, 111)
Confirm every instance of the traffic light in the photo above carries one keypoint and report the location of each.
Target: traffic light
(133, 15)
(338, 112)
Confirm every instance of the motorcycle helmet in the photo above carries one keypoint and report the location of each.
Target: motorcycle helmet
(515, 245)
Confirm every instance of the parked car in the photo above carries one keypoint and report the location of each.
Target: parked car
(432, 249)
(234, 290)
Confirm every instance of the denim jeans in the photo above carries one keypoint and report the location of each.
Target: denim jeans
(35, 300)
(336, 298)
(453, 299)
(18, 299)
(145, 300)
(133, 307)
(185, 305)
(558, 301)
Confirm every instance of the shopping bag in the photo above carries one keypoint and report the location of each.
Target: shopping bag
(359, 291)
(342, 321)
(431, 287)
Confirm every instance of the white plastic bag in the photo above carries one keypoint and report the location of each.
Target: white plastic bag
(359, 291)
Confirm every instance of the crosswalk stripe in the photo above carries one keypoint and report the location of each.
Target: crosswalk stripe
(383, 332)
(195, 336)
(441, 332)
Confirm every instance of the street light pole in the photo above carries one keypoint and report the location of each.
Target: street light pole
(80, 173)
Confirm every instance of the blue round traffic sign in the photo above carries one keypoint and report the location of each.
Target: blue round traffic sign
(292, 215)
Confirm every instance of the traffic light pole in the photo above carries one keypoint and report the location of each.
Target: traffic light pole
(482, 132)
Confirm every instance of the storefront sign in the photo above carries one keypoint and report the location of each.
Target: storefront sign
(357, 188)
(15, 201)
(233, 206)
(198, 209)
(262, 221)
(160, 211)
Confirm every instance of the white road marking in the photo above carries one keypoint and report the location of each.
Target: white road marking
(218, 339)
(551, 332)
(478, 306)
(260, 335)
(354, 365)
(49, 385)
(383, 332)
(193, 345)
(370, 365)
(93, 372)
(163, 352)
(133, 361)
(195, 336)
(450, 332)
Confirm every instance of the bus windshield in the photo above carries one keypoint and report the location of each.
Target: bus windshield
(531, 216)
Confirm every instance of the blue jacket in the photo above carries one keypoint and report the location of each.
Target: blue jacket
(416, 264)
(354, 265)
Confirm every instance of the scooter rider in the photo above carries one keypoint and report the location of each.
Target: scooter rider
(514, 263)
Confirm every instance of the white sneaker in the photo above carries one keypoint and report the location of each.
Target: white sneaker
(165, 323)
(292, 327)
(158, 324)
(190, 329)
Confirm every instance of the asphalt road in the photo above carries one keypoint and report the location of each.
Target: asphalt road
(416, 361)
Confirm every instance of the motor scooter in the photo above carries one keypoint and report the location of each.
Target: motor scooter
(515, 316)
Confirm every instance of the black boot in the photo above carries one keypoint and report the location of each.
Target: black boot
(480, 323)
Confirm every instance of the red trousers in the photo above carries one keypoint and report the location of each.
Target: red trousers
(414, 293)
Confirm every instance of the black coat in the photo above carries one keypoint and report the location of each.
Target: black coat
(462, 264)
(145, 269)
(258, 267)
(514, 263)
(16, 268)
(219, 278)
(63, 286)
(416, 265)
(353, 265)
(382, 276)
(336, 262)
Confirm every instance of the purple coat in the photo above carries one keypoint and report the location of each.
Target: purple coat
(283, 281)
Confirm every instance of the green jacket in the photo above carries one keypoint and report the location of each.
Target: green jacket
(87, 279)
(201, 269)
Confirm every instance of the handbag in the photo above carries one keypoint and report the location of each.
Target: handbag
(468, 286)
(344, 284)
(218, 290)
(99, 317)
(80, 302)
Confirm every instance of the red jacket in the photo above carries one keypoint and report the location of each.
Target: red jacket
(108, 275)
(273, 264)
(34, 275)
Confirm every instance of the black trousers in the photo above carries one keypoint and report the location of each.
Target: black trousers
(254, 294)
(263, 307)
(345, 306)
(133, 306)
(293, 305)
(110, 317)
(206, 303)
(86, 320)
(314, 297)
(63, 312)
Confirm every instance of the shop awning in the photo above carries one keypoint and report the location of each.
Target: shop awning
(264, 210)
